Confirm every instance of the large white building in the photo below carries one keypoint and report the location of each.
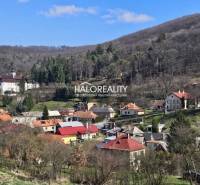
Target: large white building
(176, 101)
(10, 84)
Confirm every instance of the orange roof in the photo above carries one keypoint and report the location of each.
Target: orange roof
(132, 106)
(183, 94)
(5, 117)
(85, 114)
(46, 123)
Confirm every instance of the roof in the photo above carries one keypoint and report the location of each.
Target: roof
(132, 106)
(85, 114)
(10, 78)
(46, 123)
(67, 112)
(124, 144)
(77, 130)
(4, 117)
(71, 124)
(103, 109)
(183, 94)
(54, 113)
(157, 144)
(32, 114)
(153, 136)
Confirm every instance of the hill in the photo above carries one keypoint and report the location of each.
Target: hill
(170, 50)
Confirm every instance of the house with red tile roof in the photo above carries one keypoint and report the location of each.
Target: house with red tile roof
(177, 100)
(81, 132)
(131, 109)
(125, 146)
(5, 117)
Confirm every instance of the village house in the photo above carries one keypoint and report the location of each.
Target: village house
(38, 115)
(22, 120)
(176, 101)
(72, 134)
(135, 133)
(10, 84)
(103, 111)
(158, 105)
(5, 117)
(157, 146)
(131, 109)
(70, 124)
(47, 125)
(85, 116)
(124, 146)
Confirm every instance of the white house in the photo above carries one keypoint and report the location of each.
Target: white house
(103, 111)
(176, 101)
(10, 84)
(131, 109)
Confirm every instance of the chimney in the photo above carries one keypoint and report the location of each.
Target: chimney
(87, 125)
(13, 74)
(179, 91)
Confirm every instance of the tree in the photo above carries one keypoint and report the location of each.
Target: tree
(155, 123)
(182, 141)
(45, 114)
(28, 102)
(7, 100)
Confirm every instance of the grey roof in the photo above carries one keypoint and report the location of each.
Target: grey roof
(71, 124)
(103, 109)
(153, 136)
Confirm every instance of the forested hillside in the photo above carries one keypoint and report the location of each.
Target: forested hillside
(165, 51)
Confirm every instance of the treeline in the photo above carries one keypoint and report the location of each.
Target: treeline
(102, 62)
(157, 58)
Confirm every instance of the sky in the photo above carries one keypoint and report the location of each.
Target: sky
(83, 22)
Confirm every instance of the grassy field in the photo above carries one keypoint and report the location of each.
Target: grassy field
(8, 178)
(53, 105)
(171, 180)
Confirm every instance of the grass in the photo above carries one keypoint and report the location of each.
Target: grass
(8, 178)
(172, 180)
(53, 105)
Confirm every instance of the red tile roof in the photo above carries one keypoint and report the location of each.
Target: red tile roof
(133, 106)
(183, 94)
(123, 143)
(46, 123)
(77, 130)
(85, 114)
(4, 117)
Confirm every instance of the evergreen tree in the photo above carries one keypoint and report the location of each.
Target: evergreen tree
(45, 114)
(28, 102)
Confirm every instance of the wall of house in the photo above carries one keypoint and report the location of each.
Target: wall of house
(29, 86)
(88, 136)
(127, 112)
(172, 103)
(69, 139)
(49, 129)
(9, 86)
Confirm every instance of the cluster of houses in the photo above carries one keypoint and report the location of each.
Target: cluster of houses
(79, 124)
